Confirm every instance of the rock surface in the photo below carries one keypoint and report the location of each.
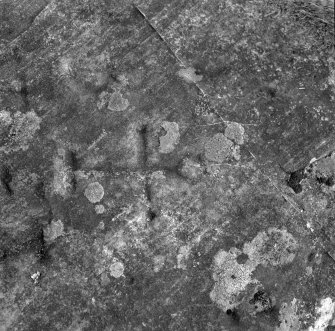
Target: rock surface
(166, 165)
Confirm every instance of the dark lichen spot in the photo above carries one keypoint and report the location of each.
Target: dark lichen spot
(151, 215)
(242, 258)
(272, 92)
(311, 256)
(261, 301)
(131, 280)
(3, 255)
(233, 314)
(294, 181)
(327, 181)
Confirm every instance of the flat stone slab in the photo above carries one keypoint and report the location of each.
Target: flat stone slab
(165, 165)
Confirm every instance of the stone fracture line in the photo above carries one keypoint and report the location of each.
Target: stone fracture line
(160, 36)
(284, 195)
(33, 20)
(180, 61)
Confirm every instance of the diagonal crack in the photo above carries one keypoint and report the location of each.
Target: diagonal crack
(290, 200)
(179, 60)
(32, 21)
(159, 35)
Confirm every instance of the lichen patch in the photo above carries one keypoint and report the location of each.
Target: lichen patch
(99, 209)
(231, 278)
(61, 184)
(288, 317)
(18, 129)
(112, 101)
(218, 148)
(189, 75)
(325, 167)
(94, 192)
(325, 313)
(273, 247)
(54, 230)
(182, 257)
(5, 118)
(191, 169)
(116, 269)
(158, 262)
(169, 141)
(235, 132)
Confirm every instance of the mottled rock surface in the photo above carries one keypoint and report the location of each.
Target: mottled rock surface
(167, 165)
